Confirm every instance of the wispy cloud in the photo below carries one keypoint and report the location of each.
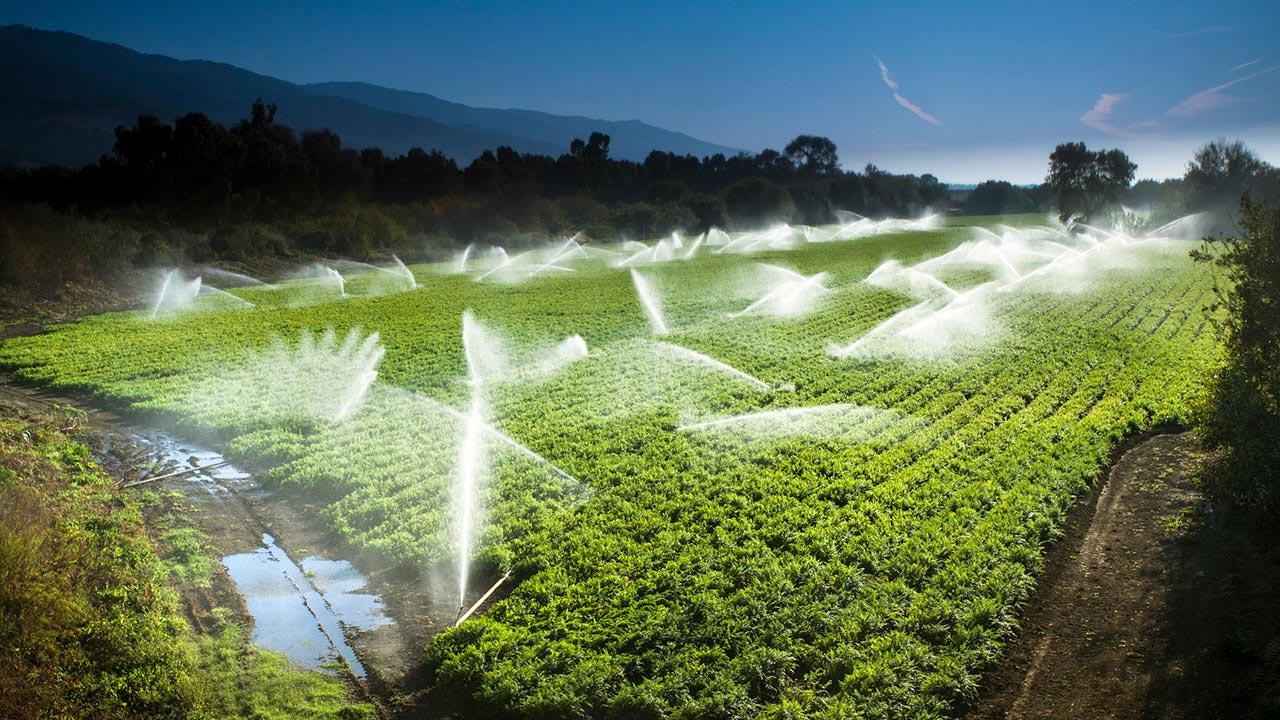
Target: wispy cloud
(1099, 117)
(916, 109)
(1242, 66)
(1213, 98)
(884, 74)
(1206, 30)
(893, 85)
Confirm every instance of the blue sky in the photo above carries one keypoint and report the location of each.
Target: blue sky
(981, 91)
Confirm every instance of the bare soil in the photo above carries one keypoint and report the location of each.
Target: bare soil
(1156, 604)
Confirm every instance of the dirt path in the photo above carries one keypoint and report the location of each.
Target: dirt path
(1155, 605)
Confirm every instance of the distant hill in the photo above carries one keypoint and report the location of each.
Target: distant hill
(62, 95)
(629, 139)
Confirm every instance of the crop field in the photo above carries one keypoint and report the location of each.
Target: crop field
(764, 476)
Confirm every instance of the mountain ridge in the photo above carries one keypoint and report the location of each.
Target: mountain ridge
(62, 95)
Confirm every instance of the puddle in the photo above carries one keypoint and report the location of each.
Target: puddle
(300, 612)
(173, 455)
(299, 609)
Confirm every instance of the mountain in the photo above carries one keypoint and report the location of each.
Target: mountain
(630, 139)
(62, 95)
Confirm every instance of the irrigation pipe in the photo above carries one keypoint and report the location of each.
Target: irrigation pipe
(176, 473)
(480, 602)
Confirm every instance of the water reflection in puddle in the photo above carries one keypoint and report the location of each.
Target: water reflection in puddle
(301, 611)
(298, 610)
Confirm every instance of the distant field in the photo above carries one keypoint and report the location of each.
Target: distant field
(860, 554)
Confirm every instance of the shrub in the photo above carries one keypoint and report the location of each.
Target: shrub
(1242, 419)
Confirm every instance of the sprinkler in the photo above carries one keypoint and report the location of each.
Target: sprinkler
(468, 611)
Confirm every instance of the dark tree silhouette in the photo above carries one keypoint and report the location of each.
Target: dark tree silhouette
(813, 155)
(997, 196)
(1221, 172)
(1085, 182)
(757, 201)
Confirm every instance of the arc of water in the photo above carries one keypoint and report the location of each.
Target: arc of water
(462, 261)
(393, 273)
(164, 288)
(369, 356)
(336, 277)
(885, 327)
(1185, 220)
(694, 248)
(931, 281)
(1063, 257)
(223, 293)
(468, 469)
(784, 292)
(600, 251)
(240, 277)
(505, 262)
(406, 272)
(712, 362)
(637, 256)
(656, 324)
(494, 433)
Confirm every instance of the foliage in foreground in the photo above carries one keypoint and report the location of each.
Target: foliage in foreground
(88, 625)
(86, 622)
(239, 680)
(1242, 418)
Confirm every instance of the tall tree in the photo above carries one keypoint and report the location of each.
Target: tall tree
(813, 155)
(1219, 174)
(1085, 182)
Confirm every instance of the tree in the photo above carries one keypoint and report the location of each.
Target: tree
(1220, 173)
(756, 201)
(1085, 182)
(338, 171)
(813, 155)
(664, 191)
(1242, 419)
(709, 210)
(996, 196)
(143, 151)
(207, 160)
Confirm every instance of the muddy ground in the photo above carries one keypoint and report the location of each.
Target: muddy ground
(234, 523)
(1156, 604)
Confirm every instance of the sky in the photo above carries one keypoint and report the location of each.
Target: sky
(967, 91)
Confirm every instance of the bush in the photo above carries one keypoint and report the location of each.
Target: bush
(708, 211)
(1242, 419)
(246, 242)
(43, 249)
(87, 625)
(581, 211)
(812, 206)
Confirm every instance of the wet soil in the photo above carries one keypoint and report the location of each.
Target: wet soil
(234, 522)
(1156, 604)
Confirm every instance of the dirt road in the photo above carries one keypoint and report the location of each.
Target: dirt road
(1155, 605)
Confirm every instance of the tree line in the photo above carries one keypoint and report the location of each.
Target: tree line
(201, 175)
(1087, 184)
